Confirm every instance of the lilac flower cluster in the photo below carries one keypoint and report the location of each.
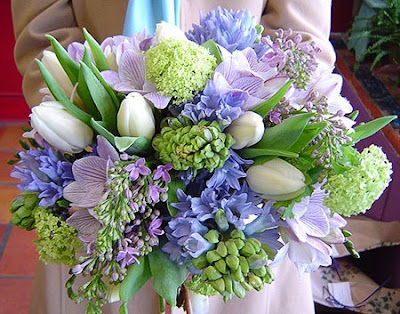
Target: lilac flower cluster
(44, 171)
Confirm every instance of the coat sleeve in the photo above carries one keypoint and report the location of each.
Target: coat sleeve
(310, 18)
(32, 21)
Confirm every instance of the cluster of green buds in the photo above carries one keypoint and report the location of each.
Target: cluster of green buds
(235, 266)
(199, 146)
(22, 209)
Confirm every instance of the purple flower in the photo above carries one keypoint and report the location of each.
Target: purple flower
(91, 175)
(230, 172)
(232, 30)
(154, 228)
(237, 208)
(154, 192)
(242, 71)
(128, 255)
(138, 168)
(44, 171)
(162, 172)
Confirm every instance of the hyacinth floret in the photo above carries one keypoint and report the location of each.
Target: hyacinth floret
(233, 30)
(179, 68)
(44, 171)
(354, 191)
(199, 146)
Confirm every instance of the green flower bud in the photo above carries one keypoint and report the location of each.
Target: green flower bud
(218, 285)
(246, 286)
(221, 249)
(212, 273)
(231, 247)
(17, 203)
(239, 290)
(200, 262)
(239, 243)
(232, 262)
(237, 275)
(238, 234)
(212, 256)
(220, 219)
(255, 243)
(256, 282)
(199, 146)
(256, 261)
(228, 284)
(260, 272)
(269, 276)
(247, 250)
(244, 265)
(31, 200)
(221, 266)
(212, 236)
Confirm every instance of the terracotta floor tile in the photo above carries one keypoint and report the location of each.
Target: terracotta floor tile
(7, 194)
(10, 134)
(15, 296)
(19, 256)
(5, 169)
(2, 231)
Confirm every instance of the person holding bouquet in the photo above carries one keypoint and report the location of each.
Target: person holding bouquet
(291, 291)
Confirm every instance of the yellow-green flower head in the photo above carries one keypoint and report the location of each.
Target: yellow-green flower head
(57, 241)
(199, 146)
(179, 68)
(354, 191)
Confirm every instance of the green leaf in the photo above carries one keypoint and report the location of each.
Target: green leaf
(284, 135)
(132, 145)
(256, 152)
(84, 94)
(168, 276)
(60, 96)
(69, 65)
(138, 275)
(366, 130)
(100, 128)
(106, 86)
(265, 107)
(101, 98)
(99, 57)
(310, 132)
(213, 49)
(174, 185)
(353, 116)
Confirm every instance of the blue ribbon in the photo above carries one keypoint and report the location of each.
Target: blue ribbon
(147, 13)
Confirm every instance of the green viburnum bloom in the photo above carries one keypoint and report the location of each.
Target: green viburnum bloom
(198, 146)
(179, 68)
(354, 191)
(57, 241)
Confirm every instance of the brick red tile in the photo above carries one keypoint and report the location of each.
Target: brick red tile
(7, 194)
(5, 168)
(19, 256)
(10, 135)
(15, 296)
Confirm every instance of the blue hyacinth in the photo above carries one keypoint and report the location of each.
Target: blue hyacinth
(43, 171)
(232, 30)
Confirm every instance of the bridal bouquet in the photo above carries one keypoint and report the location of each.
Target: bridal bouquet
(197, 160)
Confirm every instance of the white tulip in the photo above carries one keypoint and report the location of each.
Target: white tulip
(247, 130)
(52, 64)
(59, 128)
(135, 117)
(276, 180)
(165, 30)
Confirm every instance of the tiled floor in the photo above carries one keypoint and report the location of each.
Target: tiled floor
(18, 258)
